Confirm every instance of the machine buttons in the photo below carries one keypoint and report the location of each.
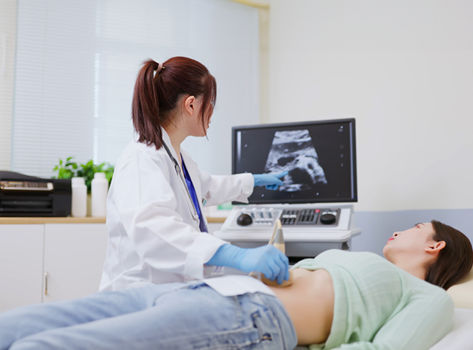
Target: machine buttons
(256, 217)
(309, 216)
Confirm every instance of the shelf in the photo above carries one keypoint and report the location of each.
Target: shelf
(69, 220)
(50, 220)
(215, 219)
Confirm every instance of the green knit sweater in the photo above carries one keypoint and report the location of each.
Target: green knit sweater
(379, 306)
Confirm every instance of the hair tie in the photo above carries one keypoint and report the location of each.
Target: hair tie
(160, 68)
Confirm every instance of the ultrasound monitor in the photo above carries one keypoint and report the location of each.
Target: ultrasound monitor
(319, 157)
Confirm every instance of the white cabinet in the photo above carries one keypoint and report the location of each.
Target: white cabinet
(49, 262)
(21, 265)
(73, 260)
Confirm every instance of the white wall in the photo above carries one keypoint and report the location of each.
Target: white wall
(7, 62)
(404, 69)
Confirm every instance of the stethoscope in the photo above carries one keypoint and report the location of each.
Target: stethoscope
(177, 168)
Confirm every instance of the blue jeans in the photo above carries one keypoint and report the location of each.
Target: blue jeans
(167, 316)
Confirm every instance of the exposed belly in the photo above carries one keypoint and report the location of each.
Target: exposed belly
(309, 302)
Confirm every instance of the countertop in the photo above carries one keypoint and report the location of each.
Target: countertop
(70, 220)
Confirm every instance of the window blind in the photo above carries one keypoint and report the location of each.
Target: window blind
(77, 63)
(7, 64)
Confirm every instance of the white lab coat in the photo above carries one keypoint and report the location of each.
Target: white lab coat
(152, 235)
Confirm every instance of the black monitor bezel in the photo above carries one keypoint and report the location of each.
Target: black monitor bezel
(352, 122)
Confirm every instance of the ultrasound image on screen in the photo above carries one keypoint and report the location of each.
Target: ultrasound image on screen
(319, 157)
(294, 152)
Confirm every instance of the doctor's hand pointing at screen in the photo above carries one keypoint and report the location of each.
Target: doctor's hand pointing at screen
(270, 181)
(157, 230)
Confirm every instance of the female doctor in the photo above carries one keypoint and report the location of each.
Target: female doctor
(157, 231)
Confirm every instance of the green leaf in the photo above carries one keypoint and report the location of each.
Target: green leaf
(66, 169)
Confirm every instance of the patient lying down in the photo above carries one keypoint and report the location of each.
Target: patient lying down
(352, 298)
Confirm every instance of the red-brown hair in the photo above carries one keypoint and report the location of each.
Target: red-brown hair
(454, 260)
(157, 92)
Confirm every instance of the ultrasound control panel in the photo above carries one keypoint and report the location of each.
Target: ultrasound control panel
(310, 216)
(264, 216)
(301, 223)
(308, 229)
(293, 217)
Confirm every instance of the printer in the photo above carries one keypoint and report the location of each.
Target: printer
(23, 195)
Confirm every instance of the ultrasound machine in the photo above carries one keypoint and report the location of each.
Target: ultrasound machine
(313, 201)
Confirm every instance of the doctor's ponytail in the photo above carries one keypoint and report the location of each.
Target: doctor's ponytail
(145, 107)
(157, 90)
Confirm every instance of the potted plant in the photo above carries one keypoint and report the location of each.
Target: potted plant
(68, 168)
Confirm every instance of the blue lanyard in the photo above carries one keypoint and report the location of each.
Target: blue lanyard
(190, 186)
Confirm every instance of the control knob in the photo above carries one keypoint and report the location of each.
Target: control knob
(327, 218)
(244, 219)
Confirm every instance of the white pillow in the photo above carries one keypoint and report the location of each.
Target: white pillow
(462, 293)
(461, 336)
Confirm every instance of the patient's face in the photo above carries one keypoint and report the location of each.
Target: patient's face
(410, 242)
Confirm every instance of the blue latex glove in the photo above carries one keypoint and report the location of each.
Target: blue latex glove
(271, 181)
(266, 259)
